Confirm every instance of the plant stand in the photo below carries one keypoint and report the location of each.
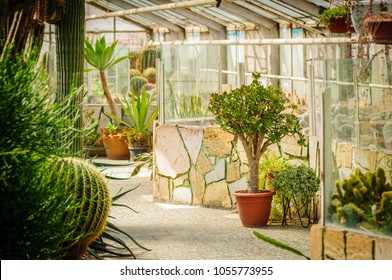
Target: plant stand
(137, 150)
(254, 208)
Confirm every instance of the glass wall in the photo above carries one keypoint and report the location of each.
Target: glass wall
(357, 105)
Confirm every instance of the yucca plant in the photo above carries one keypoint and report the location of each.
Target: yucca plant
(137, 112)
(102, 57)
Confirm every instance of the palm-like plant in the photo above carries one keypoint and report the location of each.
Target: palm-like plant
(102, 57)
(137, 112)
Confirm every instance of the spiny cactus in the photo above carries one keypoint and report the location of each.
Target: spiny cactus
(137, 83)
(149, 56)
(134, 72)
(89, 206)
(150, 74)
(363, 200)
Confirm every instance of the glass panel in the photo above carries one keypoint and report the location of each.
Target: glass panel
(358, 137)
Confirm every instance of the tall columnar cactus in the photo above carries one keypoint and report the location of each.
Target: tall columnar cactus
(69, 19)
(89, 204)
(148, 58)
(136, 84)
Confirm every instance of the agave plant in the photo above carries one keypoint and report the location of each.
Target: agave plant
(102, 57)
(137, 112)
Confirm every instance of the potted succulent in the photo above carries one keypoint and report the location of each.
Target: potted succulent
(140, 117)
(337, 19)
(102, 57)
(298, 184)
(260, 117)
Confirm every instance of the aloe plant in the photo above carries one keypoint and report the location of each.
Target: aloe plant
(136, 110)
(102, 57)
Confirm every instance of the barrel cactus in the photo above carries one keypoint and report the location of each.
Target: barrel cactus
(88, 204)
(136, 84)
(150, 74)
(134, 72)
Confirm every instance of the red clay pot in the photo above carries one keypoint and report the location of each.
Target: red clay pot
(115, 148)
(341, 26)
(254, 208)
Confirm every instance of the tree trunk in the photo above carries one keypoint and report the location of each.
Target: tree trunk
(70, 32)
(106, 92)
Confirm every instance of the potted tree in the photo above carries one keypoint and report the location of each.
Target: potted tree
(259, 116)
(337, 19)
(140, 117)
(102, 57)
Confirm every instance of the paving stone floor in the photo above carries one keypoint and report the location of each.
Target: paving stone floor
(178, 232)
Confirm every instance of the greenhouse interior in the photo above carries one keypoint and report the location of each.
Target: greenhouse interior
(139, 129)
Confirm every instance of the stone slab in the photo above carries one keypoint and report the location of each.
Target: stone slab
(383, 248)
(193, 138)
(183, 195)
(316, 242)
(334, 244)
(217, 141)
(218, 173)
(217, 195)
(358, 247)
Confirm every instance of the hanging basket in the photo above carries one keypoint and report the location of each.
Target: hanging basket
(341, 25)
(380, 27)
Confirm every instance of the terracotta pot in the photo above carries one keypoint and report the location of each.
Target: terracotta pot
(341, 26)
(115, 148)
(358, 10)
(254, 208)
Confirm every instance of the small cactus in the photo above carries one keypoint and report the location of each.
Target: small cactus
(89, 204)
(134, 73)
(149, 56)
(137, 83)
(150, 74)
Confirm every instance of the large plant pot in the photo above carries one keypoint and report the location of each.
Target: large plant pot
(254, 208)
(137, 150)
(380, 29)
(115, 148)
(341, 26)
(358, 10)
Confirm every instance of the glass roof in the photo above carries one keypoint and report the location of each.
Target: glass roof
(230, 12)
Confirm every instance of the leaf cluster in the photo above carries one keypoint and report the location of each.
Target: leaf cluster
(331, 15)
(255, 110)
(101, 56)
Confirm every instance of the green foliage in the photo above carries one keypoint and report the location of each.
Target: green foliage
(298, 181)
(136, 84)
(297, 184)
(32, 130)
(330, 15)
(136, 111)
(364, 200)
(279, 244)
(101, 56)
(270, 163)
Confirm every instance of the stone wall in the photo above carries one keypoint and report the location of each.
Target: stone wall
(328, 243)
(197, 166)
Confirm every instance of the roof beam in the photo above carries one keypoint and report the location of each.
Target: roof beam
(149, 16)
(304, 6)
(286, 17)
(195, 17)
(245, 13)
(99, 6)
(156, 8)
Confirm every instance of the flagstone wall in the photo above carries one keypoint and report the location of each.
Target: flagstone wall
(197, 166)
